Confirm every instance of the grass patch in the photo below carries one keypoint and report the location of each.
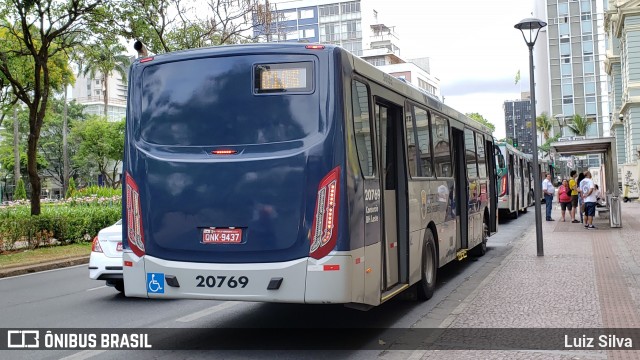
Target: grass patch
(27, 257)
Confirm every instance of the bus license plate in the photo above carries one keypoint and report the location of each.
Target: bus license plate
(221, 236)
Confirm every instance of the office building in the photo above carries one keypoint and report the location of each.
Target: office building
(572, 50)
(353, 25)
(517, 122)
(90, 92)
(622, 64)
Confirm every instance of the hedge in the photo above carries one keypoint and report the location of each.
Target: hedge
(64, 222)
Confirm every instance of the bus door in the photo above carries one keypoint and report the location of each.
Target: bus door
(511, 187)
(462, 190)
(388, 119)
(490, 148)
(523, 193)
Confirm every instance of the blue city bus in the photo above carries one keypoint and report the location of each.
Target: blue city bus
(296, 173)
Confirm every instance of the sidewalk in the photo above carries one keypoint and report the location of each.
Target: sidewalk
(586, 279)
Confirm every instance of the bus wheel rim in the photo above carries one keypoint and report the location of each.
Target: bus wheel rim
(429, 261)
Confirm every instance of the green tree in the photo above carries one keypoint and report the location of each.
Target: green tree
(580, 125)
(71, 189)
(7, 158)
(170, 25)
(479, 118)
(546, 147)
(104, 57)
(51, 144)
(21, 192)
(544, 125)
(34, 60)
(100, 147)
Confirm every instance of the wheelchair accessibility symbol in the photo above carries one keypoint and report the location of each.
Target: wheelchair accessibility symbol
(155, 283)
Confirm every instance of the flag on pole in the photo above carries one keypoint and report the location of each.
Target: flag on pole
(518, 77)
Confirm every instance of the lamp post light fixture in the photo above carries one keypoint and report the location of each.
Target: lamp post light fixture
(530, 28)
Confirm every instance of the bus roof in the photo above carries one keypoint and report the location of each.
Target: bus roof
(359, 65)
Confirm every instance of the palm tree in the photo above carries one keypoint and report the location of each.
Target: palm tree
(544, 125)
(580, 125)
(104, 58)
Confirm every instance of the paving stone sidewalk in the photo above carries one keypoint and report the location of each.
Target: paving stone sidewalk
(586, 279)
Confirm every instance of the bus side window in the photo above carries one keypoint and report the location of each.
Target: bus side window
(424, 141)
(441, 148)
(412, 151)
(482, 162)
(362, 127)
(470, 156)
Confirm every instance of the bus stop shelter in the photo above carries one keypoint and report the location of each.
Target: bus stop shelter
(607, 147)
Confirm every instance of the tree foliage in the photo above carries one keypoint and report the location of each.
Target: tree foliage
(71, 189)
(580, 125)
(479, 118)
(546, 147)
(37, 35)
(103, 57)
(170, 25)
(21, 192)
(544, 125)
(7, 159)
(100, 147)
(50, 146)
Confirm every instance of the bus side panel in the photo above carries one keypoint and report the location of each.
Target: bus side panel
(373, 276)
(134, 278)
(415, 256)
(354, 185)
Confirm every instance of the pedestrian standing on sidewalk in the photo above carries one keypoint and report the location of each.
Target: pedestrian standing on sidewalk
(589, 197)
(573, 185)
(549, 191)
(580, 208)
(564, 198)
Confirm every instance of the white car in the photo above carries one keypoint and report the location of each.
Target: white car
(105, 262)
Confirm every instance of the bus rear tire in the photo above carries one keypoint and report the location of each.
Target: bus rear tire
(427, 285)
(481, 248)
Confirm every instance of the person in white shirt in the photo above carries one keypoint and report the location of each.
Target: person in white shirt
(590, 198)
(549, 190)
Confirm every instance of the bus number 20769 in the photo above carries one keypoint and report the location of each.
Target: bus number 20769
(220, 281)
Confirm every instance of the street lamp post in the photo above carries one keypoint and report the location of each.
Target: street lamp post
(530, 28)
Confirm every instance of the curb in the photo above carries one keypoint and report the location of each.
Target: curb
(49, 265)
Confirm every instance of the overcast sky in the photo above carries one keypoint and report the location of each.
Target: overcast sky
(473, 48)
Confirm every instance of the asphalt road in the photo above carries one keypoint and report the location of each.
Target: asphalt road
(67, 298)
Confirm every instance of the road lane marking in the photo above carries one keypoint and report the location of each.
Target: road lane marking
(86, 354)
(96, 288)
(209, 311)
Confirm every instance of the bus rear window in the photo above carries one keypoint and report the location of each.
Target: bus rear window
(211, 101)
(288, 77)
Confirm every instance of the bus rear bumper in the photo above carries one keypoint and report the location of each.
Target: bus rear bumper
(503, 202)
(297, 281)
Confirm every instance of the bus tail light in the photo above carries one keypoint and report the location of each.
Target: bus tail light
(135, 234)
(503, 185)
(324, 231)
(95, 246)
